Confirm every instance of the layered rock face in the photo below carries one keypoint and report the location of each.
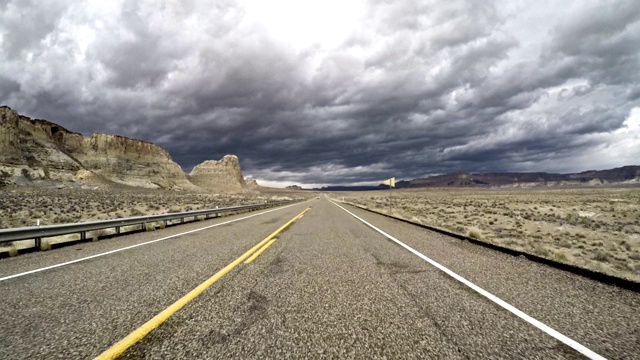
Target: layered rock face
(41, 152)
(223, 175)
(131, 162)
(252, 184)
(32, 150)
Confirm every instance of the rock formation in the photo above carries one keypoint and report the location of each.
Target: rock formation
(40, 152)
(252, 184)
(223, 175)
(131, 162)
(30, 150)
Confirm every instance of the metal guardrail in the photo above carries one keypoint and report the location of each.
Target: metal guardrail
(38, 232)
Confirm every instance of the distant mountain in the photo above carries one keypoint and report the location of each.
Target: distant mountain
(625, 174)
(351, 188)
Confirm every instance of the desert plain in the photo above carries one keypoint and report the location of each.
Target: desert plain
(22, 206)
(595, 228)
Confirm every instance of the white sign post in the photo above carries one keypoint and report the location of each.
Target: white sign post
(392, 183)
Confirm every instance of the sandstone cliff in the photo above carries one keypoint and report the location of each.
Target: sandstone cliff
(31, 150)
(252, 184)
(223, 175)
(131, 162)
(43, 153)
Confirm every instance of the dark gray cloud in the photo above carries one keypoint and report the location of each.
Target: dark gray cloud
(25, 25)
(7, 87)
(340, 93)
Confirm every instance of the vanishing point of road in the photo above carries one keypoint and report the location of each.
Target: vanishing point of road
(333, 284)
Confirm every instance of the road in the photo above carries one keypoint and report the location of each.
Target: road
(328, 287)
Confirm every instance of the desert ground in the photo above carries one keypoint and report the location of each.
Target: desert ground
(594, 228)
(24, 206)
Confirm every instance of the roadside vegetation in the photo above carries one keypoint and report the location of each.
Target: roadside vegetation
(25, 206)
(21, 206)
(595, 228)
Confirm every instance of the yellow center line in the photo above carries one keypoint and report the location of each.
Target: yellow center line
(262, 249)
(257, 253)
(301, 215)
(121, 346)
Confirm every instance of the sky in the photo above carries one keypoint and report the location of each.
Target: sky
(337, 92)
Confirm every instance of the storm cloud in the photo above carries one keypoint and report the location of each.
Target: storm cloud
(324, 93)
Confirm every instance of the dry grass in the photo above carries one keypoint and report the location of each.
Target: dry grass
(13, 251)
(45, 245)
(474, 233)
(97, 234)
(596, 228)
(23, 206)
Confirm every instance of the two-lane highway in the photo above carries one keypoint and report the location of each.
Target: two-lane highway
(328, 286)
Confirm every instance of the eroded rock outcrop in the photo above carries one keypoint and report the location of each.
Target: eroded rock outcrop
(224, 175)
(252, 184)
(32, 150)
(41, 152)
(131, 162)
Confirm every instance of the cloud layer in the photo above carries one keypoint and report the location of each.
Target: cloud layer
(328, 94)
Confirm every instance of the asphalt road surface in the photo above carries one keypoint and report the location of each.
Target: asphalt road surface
(328, 287)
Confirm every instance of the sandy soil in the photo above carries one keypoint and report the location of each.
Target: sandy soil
(594, 228)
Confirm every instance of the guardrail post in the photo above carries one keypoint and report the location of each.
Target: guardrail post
(39, 232)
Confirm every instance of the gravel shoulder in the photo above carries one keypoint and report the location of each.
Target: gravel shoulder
(600, 316)
(596, 228)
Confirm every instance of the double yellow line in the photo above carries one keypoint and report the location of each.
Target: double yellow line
(121, 346)
(272, 239)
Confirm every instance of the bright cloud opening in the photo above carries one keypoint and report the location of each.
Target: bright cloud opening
(304, 24)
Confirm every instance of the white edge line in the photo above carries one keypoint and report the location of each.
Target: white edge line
(134, 246)
(550, 331)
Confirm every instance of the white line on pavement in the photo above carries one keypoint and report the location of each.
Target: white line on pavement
(550, 331)
(134, 246)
